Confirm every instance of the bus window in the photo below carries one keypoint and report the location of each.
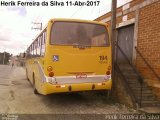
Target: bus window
(76, 33)
(35, 48)
(43, 43)
(32, 50)
(38, 47)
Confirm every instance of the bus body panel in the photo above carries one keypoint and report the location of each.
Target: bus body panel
(73, 60)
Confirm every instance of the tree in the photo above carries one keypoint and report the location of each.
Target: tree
(4, 57)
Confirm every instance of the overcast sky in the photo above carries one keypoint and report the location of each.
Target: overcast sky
(16, 22)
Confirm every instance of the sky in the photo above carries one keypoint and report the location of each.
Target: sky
(16, 21)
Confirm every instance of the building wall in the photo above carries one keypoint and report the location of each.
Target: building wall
(149, 36)
(149, 43)
(121, 11)
(145, 15)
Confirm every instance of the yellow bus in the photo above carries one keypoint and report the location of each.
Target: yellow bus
(70, 55)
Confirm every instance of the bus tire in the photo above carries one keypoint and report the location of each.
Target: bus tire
(106, 93)
(34, 85)
(27, 75)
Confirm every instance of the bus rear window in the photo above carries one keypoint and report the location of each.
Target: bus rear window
(77, 33)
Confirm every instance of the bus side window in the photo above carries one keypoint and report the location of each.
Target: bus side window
(38, 47)
(35, 48)
(43, 43)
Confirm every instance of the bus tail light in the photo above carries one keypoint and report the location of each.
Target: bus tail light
(108, 73)
(109, 67)
(51, 74)
(50, 68)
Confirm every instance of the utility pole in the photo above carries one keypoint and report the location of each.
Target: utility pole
(113, 35)
(4, 55)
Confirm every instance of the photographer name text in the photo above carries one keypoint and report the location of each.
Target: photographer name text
(50, 3)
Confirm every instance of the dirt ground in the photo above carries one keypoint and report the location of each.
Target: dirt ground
(17, 97)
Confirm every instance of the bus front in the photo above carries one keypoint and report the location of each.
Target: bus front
(78, 57)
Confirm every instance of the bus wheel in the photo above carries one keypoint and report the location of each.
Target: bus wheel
(34, 85)
(27, 75)
(106, 93)
(35, 91)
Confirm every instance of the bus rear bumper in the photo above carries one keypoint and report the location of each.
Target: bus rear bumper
(49, 88)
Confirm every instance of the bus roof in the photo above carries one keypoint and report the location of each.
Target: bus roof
(77, 20)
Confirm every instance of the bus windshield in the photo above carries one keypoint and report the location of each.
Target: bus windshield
(79, 33)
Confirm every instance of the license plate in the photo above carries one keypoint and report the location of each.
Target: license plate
(78, 76)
